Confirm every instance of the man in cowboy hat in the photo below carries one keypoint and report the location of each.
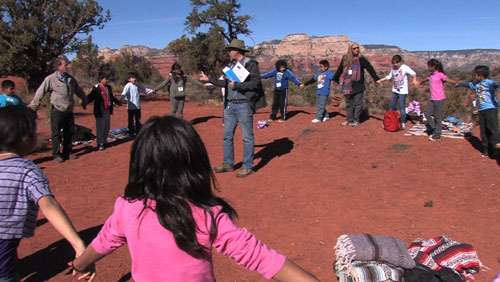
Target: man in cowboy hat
(243, 98)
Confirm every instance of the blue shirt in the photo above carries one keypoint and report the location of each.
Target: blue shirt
(281, 78)
(12, 100)
(324, 82)
(485, 93)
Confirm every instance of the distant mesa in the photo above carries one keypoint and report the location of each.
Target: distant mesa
(302, 51)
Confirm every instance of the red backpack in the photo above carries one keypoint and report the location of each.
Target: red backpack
(391, 121)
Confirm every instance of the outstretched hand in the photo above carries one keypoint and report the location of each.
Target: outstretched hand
(302, 86)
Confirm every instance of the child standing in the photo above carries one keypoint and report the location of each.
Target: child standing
(176, 85)
(399, 76)
(324, 80)
(280, 98)
(487, 101)
(8, 96)
(24, 189)
(171, 219)
(438, 97)
(131, 93)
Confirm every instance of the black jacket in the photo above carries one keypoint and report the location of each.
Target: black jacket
(251, 88)
(357, 86)
(95, 96)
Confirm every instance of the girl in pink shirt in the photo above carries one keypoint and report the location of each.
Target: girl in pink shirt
(435, 109)
(171, 219)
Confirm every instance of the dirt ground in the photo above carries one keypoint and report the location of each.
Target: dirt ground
(314, 183)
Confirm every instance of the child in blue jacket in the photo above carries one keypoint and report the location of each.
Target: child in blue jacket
(280, 98)
(324, 82)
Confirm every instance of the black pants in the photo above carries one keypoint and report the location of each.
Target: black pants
(62, 125)
(488, 124)
(134, 121)
(354, 106)
(280, 102)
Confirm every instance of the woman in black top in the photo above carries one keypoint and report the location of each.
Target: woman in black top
(350, 75)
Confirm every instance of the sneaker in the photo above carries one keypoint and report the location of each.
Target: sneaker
(354, 124)
(223, 168)
(101, 147)
(315, 120)
(281, 120)
(58, 159)
(345, 123)
(244, 172)
(325, 119)
(403, 125)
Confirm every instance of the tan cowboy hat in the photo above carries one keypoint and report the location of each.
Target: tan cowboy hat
(238, 45)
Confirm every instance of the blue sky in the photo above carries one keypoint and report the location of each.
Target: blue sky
(412, 25)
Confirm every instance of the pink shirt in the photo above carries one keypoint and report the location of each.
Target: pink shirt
(436, 84)
(156, 257)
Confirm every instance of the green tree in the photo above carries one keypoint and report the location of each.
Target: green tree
(129, 63)
(34, 32)
(220, 16)
(204, 51)
(87, 64)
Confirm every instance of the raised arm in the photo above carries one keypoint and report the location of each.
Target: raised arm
(246, 250)
(293, 78)
(268, 74)
(42, 90)
(370, 69)
(339, 71)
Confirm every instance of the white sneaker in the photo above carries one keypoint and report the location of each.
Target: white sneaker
(316, 120)
(403, 125)
(325, 119)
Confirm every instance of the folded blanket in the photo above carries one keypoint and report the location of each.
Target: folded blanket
(441, 252)
(371, 271)
(365, 247)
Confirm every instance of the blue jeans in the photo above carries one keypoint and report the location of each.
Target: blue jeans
(242, 114)
(321, 102)
(399, 100)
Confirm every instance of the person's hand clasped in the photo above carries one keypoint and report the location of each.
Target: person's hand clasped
(87, 274)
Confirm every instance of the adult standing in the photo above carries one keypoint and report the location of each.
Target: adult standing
(242, 100)
(103, 98)
(350, 75)
(176, 86)
(61, 87)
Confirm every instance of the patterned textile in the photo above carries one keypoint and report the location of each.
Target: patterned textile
(365, 247)
(440, 252)
(414, 107)
(349, 74)
(422, 273)
(449, 130)
(371, 271)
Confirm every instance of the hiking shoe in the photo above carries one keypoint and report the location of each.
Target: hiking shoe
(354, 124)
(315, 120)
(223, 168)
(434, 138)
(244, 172)
(58, 159)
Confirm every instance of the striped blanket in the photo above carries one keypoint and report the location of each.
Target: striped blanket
(441, 252)
(366, 247)
(449, 130)
(371, 272)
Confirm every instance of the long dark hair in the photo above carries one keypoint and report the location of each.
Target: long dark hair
(437, 65)
(177, 75)
(169, 164)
